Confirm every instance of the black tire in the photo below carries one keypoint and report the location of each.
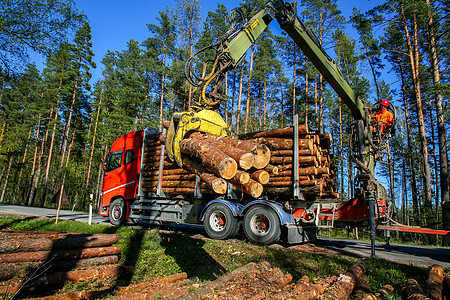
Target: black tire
(117, 212)
(219, 222)
(262, 225)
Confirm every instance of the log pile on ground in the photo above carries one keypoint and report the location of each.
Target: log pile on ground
(437, 286)
(255, 163)
(252, 281)
(30, 259)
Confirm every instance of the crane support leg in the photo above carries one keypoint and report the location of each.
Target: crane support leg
(371, 198)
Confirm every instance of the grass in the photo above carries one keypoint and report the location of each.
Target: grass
(156, 253)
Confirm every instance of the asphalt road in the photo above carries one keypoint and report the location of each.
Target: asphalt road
(51, 213)
(403, 254)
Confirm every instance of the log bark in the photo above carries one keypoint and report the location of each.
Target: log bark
(69, 242)
(252, 188)
(58, 255)
(260, 176)
(301, 171)
(317, 288)
(343, 287)
(302, 160)
(177, 184)
(288, 178)
(62, 277)
(301, 152)
(212, 158)
(435, 282)
(171, 177)
(243, 158)
(241, 177)
(413, 291)
(271, 169)
(153, 144)
(260, 152)
(169, 172)
(218, 185)
(384, 292)
(301, 285)
(20, 234)
(179, 191)
(302, 130)
(9, 270)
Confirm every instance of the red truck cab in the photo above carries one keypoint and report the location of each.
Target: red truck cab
(121, 179)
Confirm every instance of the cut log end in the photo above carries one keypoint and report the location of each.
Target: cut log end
(219, 186)
(246, 161)
(228, 168)
(261, 176)
(262, 156)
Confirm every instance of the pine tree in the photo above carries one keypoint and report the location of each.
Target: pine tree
(34, 25)
(163, 43)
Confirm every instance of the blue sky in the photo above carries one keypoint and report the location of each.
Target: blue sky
(115, 22)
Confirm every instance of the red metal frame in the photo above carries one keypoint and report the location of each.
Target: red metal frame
(413, 229)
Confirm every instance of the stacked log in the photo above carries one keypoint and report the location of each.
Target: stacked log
(255, 163)
(215, 160)
(316, 170)
(53, 254)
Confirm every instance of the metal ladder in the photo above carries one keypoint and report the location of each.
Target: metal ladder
(319, 207)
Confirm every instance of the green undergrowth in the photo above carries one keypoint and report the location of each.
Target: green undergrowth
(154, 253)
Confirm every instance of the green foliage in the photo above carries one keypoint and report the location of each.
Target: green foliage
(34, 25)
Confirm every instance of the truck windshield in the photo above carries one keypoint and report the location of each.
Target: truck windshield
(114, 161)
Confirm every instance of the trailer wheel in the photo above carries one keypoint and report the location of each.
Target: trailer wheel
(219, 222)
(117, 212)
(261, 225)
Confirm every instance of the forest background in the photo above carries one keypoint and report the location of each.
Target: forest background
(57, 122)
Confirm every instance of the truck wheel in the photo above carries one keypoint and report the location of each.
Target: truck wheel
(219, 222)
(117, 212)
(261, 225)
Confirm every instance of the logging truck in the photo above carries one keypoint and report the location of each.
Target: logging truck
(274, 184)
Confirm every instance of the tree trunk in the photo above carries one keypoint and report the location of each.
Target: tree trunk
(247, 108)
(443, 155)
(238, 109)
(68, 122)
(91, 155)
(341, 146)
(414, 61)
(7, 178)
(409, 150)
(162, 94)
(294, 86)
(49, 158)
(264, 103)
(18, 185)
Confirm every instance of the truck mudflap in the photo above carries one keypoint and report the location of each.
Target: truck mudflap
(296, 233)
(236, 208)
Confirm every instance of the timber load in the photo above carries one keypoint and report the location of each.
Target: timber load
(253, 164)
(316, 169)
(56, 256)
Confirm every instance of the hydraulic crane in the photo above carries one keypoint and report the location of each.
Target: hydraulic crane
(230, 49)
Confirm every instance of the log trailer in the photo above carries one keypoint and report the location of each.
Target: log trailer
(137, 184)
